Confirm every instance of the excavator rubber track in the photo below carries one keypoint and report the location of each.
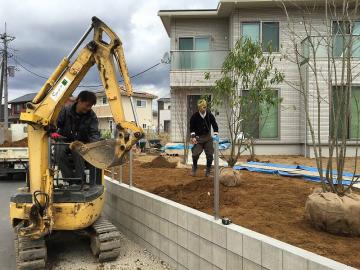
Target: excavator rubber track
(104, 240)
(30, 253)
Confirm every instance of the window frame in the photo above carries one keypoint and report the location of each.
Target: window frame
(349, 32)
(278, 138)
(141, 102)
(260, 22)
(348, 135)
(193, 43)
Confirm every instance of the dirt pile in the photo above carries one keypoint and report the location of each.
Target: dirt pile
(20, 143)
(159, 162)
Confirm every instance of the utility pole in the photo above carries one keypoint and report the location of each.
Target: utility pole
(4, 72)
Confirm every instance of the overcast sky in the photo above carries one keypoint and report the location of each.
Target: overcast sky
(46, 31)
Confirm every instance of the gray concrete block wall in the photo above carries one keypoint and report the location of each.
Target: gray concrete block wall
(189, 239)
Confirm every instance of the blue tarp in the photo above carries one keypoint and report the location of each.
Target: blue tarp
(284, 173)
(223, 144)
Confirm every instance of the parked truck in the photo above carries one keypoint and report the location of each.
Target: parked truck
(13, 161)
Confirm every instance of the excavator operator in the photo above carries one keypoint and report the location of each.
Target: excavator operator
(76, 122)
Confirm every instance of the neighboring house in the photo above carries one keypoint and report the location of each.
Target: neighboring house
(164, 116)
(143, 104)
(200, 41)
(155, 120)
(18, 105)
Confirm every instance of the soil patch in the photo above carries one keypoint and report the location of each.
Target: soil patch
(20, 143)
(269, 204)
(159, 162)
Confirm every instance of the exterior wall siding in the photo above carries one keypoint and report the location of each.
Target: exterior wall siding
(292, 122)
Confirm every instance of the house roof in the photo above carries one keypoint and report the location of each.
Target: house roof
(24, 98)
(139, 94)
(164, 99)
(225, 8)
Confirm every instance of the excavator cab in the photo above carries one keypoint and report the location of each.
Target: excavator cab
(49, 203)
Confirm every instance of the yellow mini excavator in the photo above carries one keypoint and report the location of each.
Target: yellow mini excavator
(50, 203)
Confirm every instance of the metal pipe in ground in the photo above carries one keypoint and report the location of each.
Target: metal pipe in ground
(216, 181)
(130, 168)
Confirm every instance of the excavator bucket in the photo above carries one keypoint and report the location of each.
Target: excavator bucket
(102, 154)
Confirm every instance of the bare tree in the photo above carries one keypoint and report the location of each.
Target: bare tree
(324, 49)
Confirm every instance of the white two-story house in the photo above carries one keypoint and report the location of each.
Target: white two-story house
(200, 41)
(143, 105)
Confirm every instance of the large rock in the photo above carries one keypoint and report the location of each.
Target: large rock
(338, 215)
(229, 177)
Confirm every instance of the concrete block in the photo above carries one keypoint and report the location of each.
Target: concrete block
(164, 210)
(252, 249)
(205, 265)
(173, 250)
(155, 239)
(271, 257)
(173, 232)
(233, 261)
(141, 230)
(234, 241)
(206, 249)
(193, 243)
(193, 261)
(148, 235)
(182, 217)
(156, 207)
(148, 203)
(249, 265)
(218, 234)
(317, 266)
(154, 251)
(205, 229)
(293, 262)
(138, 199)
(164, 227)
(182, 237)
(155, 223)
(182, 256)
(194, 223)
(219, 256)
(181, 267)
(172, 214)
(164, 245)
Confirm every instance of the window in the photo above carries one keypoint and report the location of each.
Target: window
(144, 125)
(195, 53)
(267, 33)
(342, 31)
(18, 108)
(263, 120)
(141, 103)
(353, 121)
(104, 100)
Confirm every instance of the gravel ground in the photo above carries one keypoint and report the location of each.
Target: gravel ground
(70, 251)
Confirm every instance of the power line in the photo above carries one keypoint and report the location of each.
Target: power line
(28, 70)
(88, 86)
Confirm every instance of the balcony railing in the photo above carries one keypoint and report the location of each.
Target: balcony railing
(335, 46)
(197, 60)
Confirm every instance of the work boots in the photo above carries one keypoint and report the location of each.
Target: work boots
(208, 172)
(193, 170)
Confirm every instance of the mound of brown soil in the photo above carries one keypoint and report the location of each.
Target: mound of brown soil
(159, 162)
(20, 143)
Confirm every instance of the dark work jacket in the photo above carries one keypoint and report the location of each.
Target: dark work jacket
(78, 127)
(202, 126)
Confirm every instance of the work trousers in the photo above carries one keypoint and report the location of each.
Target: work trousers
(70, 169)
(204, 143)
